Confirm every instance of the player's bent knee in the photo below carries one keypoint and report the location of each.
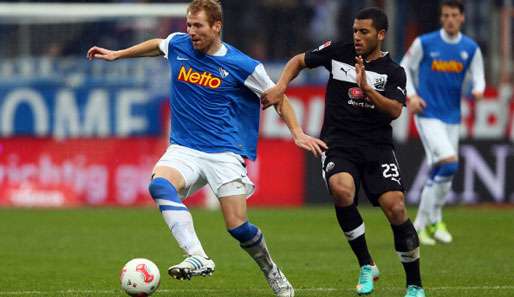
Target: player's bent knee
(234, 220)
(342, 194)
(397, 210)
(161, 188)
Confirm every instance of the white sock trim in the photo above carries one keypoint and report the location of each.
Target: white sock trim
(355, 233)
(410, 256)
(170, 203)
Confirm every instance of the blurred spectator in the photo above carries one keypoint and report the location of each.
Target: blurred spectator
(277, 29)
(323, 25)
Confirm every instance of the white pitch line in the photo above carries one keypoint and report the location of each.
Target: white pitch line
(116, 292)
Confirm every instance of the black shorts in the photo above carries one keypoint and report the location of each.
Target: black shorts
(376, 167)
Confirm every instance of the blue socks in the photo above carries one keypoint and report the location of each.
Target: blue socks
(252, 241)
(444, 172)
(247, 234)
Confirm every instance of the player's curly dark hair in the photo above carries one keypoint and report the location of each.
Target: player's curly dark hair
(377, 15)
(212, 9)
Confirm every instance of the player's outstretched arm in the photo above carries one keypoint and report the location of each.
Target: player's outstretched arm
(304, 141)
(149, 48)
(477, 74)
(291, 70)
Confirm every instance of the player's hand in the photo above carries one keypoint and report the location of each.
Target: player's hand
(273, 96)
(361, 74)
(314, 145)
(477, 95)
(416, 104)
(101, 53)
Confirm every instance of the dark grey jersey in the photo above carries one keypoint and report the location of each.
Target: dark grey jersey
(351, 119)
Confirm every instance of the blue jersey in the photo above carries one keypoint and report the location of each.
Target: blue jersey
(441, 67)
(214, 99)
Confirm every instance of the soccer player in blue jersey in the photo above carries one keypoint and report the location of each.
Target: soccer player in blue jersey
(436, 65)
(215, 108)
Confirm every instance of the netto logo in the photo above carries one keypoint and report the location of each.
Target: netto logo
(447, 66)
(204, 79)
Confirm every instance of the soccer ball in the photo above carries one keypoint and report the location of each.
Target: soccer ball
(140, 277)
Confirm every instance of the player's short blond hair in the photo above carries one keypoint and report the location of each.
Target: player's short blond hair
(212, 9)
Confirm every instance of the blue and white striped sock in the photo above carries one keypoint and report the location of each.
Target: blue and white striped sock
(442, 186)
(176, 215)
(252, 241)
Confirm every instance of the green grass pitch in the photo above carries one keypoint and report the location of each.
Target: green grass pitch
(79, 252)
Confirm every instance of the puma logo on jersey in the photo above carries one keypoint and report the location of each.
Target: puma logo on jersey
(204, 79)
(396, 180)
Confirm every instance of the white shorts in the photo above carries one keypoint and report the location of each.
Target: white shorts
(440, 140)
(224, 172)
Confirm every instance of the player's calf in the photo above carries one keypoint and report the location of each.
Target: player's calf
(442, 186)
(252, 241)
(406, 243)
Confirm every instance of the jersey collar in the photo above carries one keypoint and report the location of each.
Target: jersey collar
(448, 39)
(221, 51)
(383, 55)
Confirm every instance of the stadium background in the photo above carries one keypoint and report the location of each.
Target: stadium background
(77, 133)
(78, 140)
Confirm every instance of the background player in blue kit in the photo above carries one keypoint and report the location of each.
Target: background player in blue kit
(215, 108)
(436, 66)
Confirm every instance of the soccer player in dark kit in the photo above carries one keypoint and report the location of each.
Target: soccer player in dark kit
(365, 92)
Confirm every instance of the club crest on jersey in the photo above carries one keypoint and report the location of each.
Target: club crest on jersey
(224, 73)
(204, 79)
(379, 83)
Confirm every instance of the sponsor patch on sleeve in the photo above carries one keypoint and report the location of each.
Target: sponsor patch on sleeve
(324, 45)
